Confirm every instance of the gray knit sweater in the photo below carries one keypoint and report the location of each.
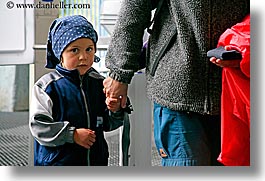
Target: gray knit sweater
(183, 78)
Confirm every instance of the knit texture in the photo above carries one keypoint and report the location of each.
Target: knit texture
(184, 78)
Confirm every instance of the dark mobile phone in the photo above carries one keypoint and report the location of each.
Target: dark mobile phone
(221, 53)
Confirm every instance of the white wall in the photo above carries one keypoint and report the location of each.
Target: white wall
(17, 34)
(7, 79)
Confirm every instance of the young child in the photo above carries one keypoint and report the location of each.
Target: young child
(68, 113)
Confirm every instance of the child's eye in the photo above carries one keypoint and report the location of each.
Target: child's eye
(74, 50)
(89, 49)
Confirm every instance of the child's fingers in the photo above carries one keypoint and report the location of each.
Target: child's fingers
(112, 101)
(115, 100)
(113, 104)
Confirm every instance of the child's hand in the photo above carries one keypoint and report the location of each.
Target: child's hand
(113, 104)
(84, 137)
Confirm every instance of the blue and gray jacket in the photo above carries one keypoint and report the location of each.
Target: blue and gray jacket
(63, 101)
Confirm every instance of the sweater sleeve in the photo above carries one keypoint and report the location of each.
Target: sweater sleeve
(127, 39)
(42, 126)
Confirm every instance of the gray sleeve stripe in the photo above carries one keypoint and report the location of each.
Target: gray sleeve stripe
(45, 80)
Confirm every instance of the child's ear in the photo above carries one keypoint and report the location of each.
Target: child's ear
(61, 61)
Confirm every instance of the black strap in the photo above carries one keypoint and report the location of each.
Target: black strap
(149, 30)
(159, 5)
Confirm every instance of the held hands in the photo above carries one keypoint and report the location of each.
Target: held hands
(113, 104)
(116, 94)
(227, 63)
(84, 137)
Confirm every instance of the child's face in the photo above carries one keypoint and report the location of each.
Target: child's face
(79, 55)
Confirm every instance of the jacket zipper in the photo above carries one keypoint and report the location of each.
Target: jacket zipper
(84, 97)
(88, 117)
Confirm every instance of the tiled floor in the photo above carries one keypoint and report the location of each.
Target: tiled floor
(14, 142)
(14, 139)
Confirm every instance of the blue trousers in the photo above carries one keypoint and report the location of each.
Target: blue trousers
(186, 138)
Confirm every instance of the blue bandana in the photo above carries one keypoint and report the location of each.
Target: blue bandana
(65, 30)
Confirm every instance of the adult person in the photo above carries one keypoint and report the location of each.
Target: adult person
(184, 86)
(235, 99)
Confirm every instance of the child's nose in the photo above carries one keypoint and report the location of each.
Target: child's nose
(83, 55)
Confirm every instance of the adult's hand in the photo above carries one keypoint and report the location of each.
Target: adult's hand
(115, 89)
(227, 63)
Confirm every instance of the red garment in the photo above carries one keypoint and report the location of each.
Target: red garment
(235, 109)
